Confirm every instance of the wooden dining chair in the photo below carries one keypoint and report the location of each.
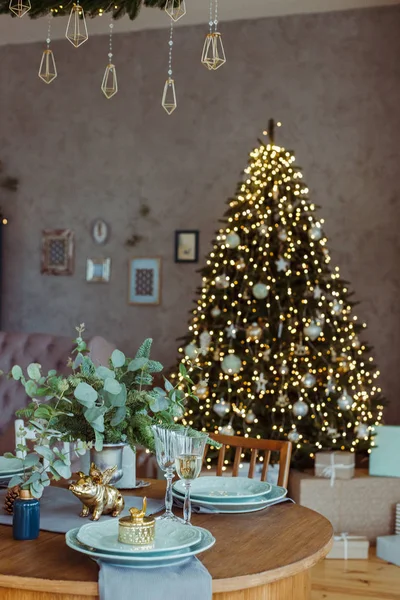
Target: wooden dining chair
(257, 447)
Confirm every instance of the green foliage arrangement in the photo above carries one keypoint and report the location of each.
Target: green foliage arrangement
(95, 405)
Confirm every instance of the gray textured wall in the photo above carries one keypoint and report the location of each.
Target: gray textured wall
(333, 79)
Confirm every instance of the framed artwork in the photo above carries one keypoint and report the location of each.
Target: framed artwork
(100, 231)
(187, 246)
(57, 252)
(98, 270)
(144, 281)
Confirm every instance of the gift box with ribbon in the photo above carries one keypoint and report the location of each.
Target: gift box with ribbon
(334, 465)
(388, 548)
(347, 546)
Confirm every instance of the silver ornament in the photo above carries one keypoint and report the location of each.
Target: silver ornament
(201, 390)
(222, 282)
(267, 354)
(226, 430)
(250, 417)
(260, 291)
(284, 369)
(362, 431)
(293, 436)
(315, 233)
(240, 264)
(263, 230)
(337, 308)
(283, 400)
(215, 312)
(282, 235)
(312, 331)
(205, 340)
(253, 332)
(232, 240)
(345, 401)
(308, 380)
(222, 408)
(231, 364)
(300, 408)
(191, 350)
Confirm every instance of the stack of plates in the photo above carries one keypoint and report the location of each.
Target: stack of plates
(231, 494)
(8, 468)
(174, 543)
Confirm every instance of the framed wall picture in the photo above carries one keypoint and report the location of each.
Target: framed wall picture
(98, 270)
(57, 252)
(144, 281)
(187, 246)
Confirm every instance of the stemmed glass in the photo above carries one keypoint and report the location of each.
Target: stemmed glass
(165, 448)
(189, 452)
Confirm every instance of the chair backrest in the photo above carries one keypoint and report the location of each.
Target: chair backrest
(256, 447)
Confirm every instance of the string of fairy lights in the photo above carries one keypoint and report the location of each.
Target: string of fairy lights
(212, 57)
(273, 335)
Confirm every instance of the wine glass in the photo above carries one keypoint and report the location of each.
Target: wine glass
(165, 448)
(189, 452)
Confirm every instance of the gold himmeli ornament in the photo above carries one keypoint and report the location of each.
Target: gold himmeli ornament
(109, 86)
(76, 31)
(20, 7)
(175, 9)
(95, 493)
(213, 56)
(169, 102)
(48, 69)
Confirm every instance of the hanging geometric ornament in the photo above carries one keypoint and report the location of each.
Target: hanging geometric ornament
(175, 9)
(308, 380)
(260, 291)
(300, 408)
(109, 86)
(312, 331)
(47, 69)
(250, 417)
(168, 101)
(222, 408)
(19, 7)
(315, 233)
(293, 436)
(201, 390)
(253, 332)
(240, 264)
(205, 340)
(231, 364)
(232, 240)
(283, 400)
(76, 31)
(215, 312)
(362, 431)
(191, 351)
(345, 401)
(222, 282)
(213, 55)
(282, 235)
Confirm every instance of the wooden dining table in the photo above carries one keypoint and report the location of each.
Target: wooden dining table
(264, 555)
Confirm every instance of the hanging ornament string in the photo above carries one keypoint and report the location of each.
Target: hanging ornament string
(109, 85)
(168, 101)
(76, 31)
(47, 69)
(213, 55)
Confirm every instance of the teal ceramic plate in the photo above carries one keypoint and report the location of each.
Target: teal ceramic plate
(155, 561)
(220, 489)
(10, 466)
(169, 536)
(277, 493)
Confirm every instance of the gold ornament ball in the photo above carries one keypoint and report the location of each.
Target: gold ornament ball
(201, 390)
(253, 332)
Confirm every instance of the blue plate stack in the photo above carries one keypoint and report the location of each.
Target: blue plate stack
(8, 468)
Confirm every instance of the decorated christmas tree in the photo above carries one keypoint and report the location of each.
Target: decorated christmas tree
(273, 345)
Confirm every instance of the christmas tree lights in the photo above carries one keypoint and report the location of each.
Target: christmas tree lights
(273, 344)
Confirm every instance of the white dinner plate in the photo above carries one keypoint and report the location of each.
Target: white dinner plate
(154, 561)
(221, 489)
(169, 536)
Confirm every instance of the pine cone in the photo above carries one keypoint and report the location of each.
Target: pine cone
(11, 496)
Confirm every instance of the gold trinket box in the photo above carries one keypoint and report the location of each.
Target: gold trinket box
(137, 529)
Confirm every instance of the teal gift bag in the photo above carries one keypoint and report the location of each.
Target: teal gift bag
(384, 459)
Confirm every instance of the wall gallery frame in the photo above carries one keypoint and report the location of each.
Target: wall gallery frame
(144, 281)
(57, 252)
(187, 246)
(98, 270)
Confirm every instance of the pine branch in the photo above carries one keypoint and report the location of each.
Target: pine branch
(92, 8)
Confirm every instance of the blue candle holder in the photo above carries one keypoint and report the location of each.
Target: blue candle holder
(26, 517)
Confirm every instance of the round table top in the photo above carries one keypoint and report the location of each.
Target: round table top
(251, 549)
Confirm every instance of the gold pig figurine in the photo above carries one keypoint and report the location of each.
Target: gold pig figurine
(96, 495)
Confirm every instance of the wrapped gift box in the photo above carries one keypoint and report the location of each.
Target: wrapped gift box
(384, 457)
(364, 505)
(388, 548)
(347, 546)
(335, 465)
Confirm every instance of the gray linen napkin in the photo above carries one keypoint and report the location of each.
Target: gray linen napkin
(59, 509)
(189, 580)
(204, 510)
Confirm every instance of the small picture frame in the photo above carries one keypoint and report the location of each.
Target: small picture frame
(187, 246)
(98, 270)
(144, 281)
(57, 252)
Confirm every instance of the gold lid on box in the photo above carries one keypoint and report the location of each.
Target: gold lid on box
(137, 529)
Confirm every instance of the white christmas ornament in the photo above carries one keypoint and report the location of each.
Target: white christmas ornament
(260, 291)
(317, 293)
(250, 417)
(222, 282)
(191, 351)
(337, 307)
(226, 430)
(284, 369)
(215, 312)
(231, 331)
(222, 408)
(282, 264)
(205, 340)
(282, 235)
(201, 390)
(231, 364)
(362, 430)
(315, 233)
(300, 408)
(312, 331)
(345, 401)
(293, 436)
(263, 230)
(308, 380)
(232, 240)
(253, 332)
(261, 383)
(283, 400)
(330, 386)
